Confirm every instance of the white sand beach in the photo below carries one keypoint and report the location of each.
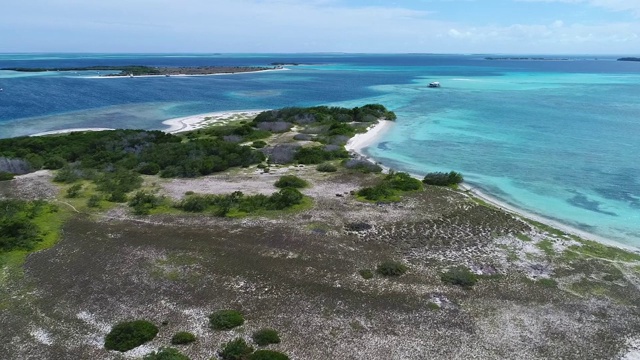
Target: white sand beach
(198, 121)
(66, 131)
(361, 141)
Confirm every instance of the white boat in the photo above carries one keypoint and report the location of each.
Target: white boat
(434, 84)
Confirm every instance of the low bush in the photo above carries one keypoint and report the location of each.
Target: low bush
(94, 201)
(317, 155)
(291, 181)
(74, 191)
(166, 354)
(259, 144)
(326, 167)
(225, 319)
(459, 276)
(183, 338)
(443, 179)
(265, 337)
(366, 274)
(129, 335)
(4, 176)
(143, 202)
(391, 268)
(237, 349)
(362, 165)
(268, 355)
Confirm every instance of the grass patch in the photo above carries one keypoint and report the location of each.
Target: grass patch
(523, 237)
(548, 283)
(225, 319)
(391, 268)
(366, 274)
(595, 249)
(433, 306)
(546, 246)
(547, 228)
(459, 276)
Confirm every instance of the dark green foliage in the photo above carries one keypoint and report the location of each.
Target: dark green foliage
(391, 268)
(366, 274)
(143, 202)
(443, 179)
(131, 334)
(460, 276)
(326, 168)
(166, 354)
(291, 181)
(94, 201)
(268, 355)
(392, 185)
(259, 144)
(118, 183)
(74, 191)
(225, 319)
(54, 163)
(377, 193)
(402, 181)
(182, 338)
(67, 175)
(326, 115)
(149, 169)
(237, 349)
(318, 155)
(221, 205)
(4, 176)
(265, 337)
(18, 231)
(363, 166)
(550, 283)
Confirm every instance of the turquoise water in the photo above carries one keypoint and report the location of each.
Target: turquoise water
(555, 138)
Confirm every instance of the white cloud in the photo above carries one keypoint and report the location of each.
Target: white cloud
(632, 6)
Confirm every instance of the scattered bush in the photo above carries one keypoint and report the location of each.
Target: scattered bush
(366, 274)
(182, 338)
(391, 268)
(94, 201)
(392, 185)
(265, 337)
(131, 334)
(318, 155)
(166, 354)
(149, 168)
(143, 202)
(443, 179)
(403, 181)
(268, 355)
(4, 176)
(259, 144)
(18, 228)
(362, 165)
(326, 167)
(225, 319)
(74, 191)
(460, 276)
(291, 181)
(237, 349)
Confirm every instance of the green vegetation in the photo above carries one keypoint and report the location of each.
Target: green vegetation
(74, 191)
(268, 355)
(326, 167)
(143, 202)
(523, 237)
(460, 276)
(183, 338)
(391, 268)
(264, 337)
(595, 249)
(443, 179)
(546, 246)
(131, 334)
(318, 155)
(166, 354)
(391, 187)
(19, 223)
(237, 203)
(291, 181)
(366, 274)
(550, 283)
(361, 165)
(237, 349)
(5, 176)
(259, 144)
(433, 306)
(225, 319)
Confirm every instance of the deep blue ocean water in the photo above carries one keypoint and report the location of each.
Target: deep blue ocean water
(559, 139)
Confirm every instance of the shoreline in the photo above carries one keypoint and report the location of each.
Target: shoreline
(70, 130)
(359, 142)
(176, 75)
(198, 121)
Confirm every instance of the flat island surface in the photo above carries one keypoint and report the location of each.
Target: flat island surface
(275, 216)
(135, 70)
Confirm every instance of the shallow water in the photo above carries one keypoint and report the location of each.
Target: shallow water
(555, 138)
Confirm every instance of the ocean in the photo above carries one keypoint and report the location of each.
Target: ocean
(557, 139)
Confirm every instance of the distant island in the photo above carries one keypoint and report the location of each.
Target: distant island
(629, 59)
(137, 70)
(527, 58)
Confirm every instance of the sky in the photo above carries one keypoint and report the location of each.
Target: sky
(276, 26)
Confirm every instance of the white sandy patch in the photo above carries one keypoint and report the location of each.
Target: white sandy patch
(66, 131)
(198, 121)
(42, 336)
(633, 351)
(361, 141)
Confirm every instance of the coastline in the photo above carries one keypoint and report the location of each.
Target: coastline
(177, 75)
(359, 142)
(198, 121)
(66, 131)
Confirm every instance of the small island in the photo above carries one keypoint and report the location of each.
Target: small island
(629, 59)
(526, 59)
(136, 70)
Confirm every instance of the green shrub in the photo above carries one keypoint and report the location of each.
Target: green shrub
(402, 181)
(194, 203)
(268, 355)
(366, 274)
(94, 201)
(265, 337)
(4, 176)
(551, 283)
(443, 179)
(285, 198)
(317, 155)
(291, 181)
(74, 191)
(460, 276)
(391, 268)
(225, 319)
(149, 169)
(143, 202)
(18, 224)
(377, 193)
(54, 163)
(131, 334)
(166, 354)
(182, 338)
(259, 144)
(237, 349)
(326, 167)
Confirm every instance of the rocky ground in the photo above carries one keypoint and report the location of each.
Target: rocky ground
(299, 273)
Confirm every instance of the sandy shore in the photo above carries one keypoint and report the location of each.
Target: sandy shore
(178, 75)
(198, 121)
(363, 140)
(66, 131)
